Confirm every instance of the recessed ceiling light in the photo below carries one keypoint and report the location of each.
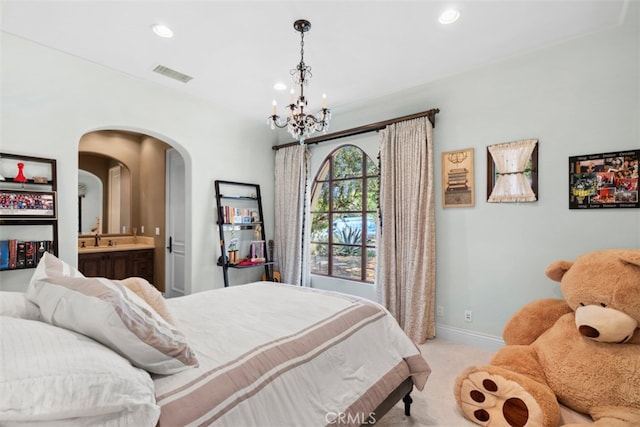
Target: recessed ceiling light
(162, 30)
(449, 16)
(279, 86)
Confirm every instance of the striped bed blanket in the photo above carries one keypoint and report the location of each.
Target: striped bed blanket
(278, 355)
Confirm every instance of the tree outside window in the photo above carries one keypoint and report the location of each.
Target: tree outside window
(344, 203)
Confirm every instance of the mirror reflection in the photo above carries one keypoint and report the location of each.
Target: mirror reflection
(105, 182)
(104, 197)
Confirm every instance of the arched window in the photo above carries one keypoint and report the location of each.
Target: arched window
(344, 203)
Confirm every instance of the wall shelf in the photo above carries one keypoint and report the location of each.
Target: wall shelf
(28, 211)
(240, 224)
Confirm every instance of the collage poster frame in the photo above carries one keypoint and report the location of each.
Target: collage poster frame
(604, 180)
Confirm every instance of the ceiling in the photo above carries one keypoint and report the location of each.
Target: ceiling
(358, 50)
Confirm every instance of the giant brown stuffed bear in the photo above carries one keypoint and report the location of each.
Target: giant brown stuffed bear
(583, 351)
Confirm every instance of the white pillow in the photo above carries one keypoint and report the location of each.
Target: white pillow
(53, 376)
(16, 304)
(110, 313)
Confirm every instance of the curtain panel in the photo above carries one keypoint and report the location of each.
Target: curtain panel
(405, 269)
(291, 226)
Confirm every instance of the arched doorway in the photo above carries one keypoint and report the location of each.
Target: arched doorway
(144, 157)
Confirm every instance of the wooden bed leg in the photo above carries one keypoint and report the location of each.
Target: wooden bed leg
(407, 404)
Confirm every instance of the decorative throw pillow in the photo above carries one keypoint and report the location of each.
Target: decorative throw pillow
(16, 304)
(108, 312)
(150, 295)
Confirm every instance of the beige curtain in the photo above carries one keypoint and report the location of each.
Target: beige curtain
(511, 159)
(405, 268)
(291, 233)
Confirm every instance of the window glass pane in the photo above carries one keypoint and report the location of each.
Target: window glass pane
(347, 162)
(373, 190)
(319, 227)
(320, 197)
(371, 228)
(371, 264)
(348, 229)
(347, 195)
(319, 259)
(372, 168)
(347, 262)
(323, 175)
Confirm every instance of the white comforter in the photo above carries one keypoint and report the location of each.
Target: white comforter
(278, 355)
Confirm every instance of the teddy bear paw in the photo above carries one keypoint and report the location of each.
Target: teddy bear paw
(492, 400)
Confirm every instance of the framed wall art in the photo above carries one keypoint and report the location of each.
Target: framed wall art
(457, 179)
(604, 181)
(27, 204)
(512, 172)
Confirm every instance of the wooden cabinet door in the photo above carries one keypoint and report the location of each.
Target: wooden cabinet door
(118, 265)
(142, 264)
(92, 265)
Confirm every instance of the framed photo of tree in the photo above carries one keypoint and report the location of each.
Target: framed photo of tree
(457, 179)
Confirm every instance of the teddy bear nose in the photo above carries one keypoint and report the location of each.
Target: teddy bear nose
(604, 324)
(588, 331)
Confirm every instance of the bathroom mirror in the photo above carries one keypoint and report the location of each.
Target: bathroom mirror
(104, 196)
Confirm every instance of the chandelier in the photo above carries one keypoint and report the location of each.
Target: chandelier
(300, 124)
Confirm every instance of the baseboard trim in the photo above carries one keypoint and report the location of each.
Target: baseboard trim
(474, 339)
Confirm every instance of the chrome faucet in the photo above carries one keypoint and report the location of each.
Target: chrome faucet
(96, 238)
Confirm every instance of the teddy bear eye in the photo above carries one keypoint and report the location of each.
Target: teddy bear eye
(582, 304)
(603, 304)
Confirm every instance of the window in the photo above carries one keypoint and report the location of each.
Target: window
(344, 203)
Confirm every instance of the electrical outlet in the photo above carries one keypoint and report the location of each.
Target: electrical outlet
(157, 231)
(468, 316)
(439, 311)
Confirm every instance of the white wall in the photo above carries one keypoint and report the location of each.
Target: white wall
(578, 97)
(50, 99)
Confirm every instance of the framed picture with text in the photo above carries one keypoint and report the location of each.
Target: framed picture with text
(604, 180)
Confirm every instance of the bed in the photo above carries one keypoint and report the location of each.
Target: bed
(260, 354)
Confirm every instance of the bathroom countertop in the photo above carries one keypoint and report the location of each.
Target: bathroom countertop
(118, 247)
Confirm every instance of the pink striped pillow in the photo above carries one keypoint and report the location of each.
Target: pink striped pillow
(111, 314)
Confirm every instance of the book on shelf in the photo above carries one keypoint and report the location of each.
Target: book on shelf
(16, 254)
(21, 256)
(4, 255)
(231, 215)
(30, 254)
(13, 254)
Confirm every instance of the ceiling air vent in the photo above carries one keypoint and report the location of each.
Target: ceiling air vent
(173, 74)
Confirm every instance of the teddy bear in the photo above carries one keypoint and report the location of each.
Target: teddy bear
(582, 351)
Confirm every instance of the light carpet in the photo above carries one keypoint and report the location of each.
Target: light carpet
(436, 404)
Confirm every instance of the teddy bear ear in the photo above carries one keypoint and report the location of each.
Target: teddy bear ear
(556, 270)
(631, 258)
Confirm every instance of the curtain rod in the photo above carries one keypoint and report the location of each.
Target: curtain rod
(430, 114)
